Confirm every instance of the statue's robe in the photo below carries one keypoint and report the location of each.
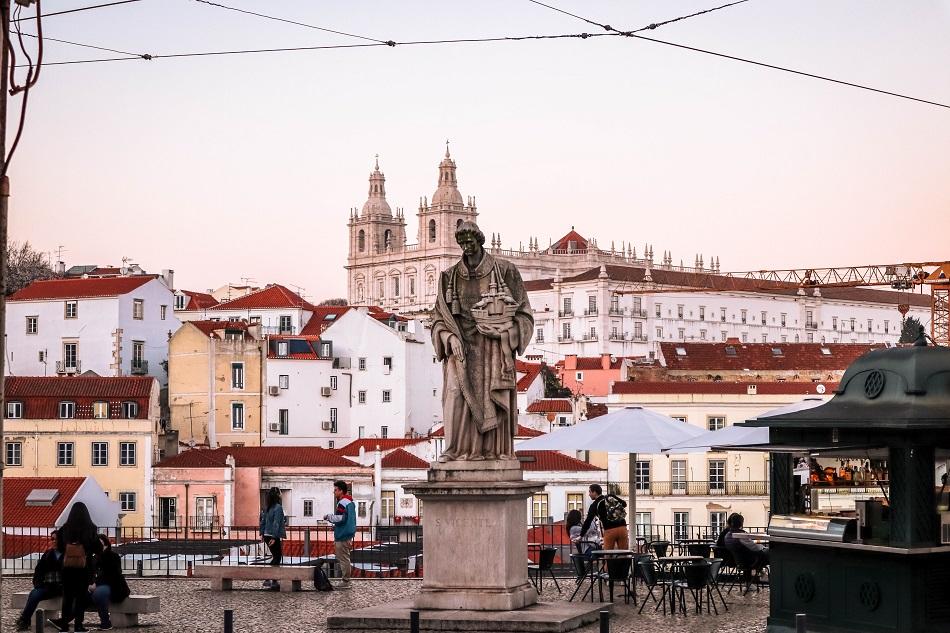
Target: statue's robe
(480, 395)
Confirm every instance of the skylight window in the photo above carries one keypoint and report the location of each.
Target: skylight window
(681, 351)
(329, 317)
(825, 351)
(776, 351)
(730, 350)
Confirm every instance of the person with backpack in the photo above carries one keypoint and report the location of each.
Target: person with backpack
(612, 512)
(78, 543)
(273, 531)
(344, 528)
(47, 583)
(110, 585)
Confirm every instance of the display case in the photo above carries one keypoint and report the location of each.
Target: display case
(818, 528)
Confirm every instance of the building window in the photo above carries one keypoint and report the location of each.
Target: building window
(333, 419)
(834, 323)
(679, 418)
(539, 508)
(717, 474)
(361, 509)
(308, 507)
(566, 331)
(64, 453)
(14, 454)
(591, 305)
(702, 335)
(361, 396)
(886, 327)
(14, 410)
(237, 416)
(286, 324)
(127, 501)
(723, 336)
(361, 240)
(743, 315)
(679, 312)
(539, 335)
(333, 382)
(127, 453)
(384, 432)
(283, 421)
(387, 395)
(714, 423)
(100, 410)
(644, 523)
(282, 348)
(659, 333)
(784, 319)
(638, 330)
(70, 356)
(138, 357)
(717, 522)
(179, 302)
(100, 453)
(575, 501)
(130, 410)
(702, 313)
(810, 337)
(722, 315)
(138, 309)
(762, 317)
(568, 306)
(71, 310)
(361, 432)
(32, 324)
(765, 337)
(870, 325)
(658, 310)
(387, 364)
(163, 310)
(678, 475)
(852, 324)
(431, 230)
(387, 506)
(643, 475)
(361, 364)
(237, 375)
(283, 381)
(680, 525)
(745, 337)
(67, 409)
(681, 333)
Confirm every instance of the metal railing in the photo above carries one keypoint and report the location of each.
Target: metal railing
(565, 313)
(703, 488)
(62, 367)
(811, 325)
(590, 312)
(139, 367)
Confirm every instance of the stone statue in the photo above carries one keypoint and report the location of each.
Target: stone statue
(482, 319)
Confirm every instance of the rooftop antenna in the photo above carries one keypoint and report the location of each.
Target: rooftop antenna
(247, 280)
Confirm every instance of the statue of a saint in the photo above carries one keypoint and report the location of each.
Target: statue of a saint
(482, 320)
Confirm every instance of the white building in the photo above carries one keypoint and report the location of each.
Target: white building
(566, 482)
(113, 326)
(276, 308)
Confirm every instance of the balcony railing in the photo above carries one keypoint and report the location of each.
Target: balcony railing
(590, 312)
(565, 339)
(640, 314)
(139, 367)
(811, 325)
(615, 311)
(588, 337)
(64, 367)
(565, 313)
(617, 336)
(639, 338)
(703, 488)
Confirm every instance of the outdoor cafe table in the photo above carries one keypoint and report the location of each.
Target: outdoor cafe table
(598, 565)
(670, 565)
(683, 544)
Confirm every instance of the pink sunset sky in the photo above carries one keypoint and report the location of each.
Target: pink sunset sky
(238, 166)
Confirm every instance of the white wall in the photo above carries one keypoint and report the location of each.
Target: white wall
(306, 405)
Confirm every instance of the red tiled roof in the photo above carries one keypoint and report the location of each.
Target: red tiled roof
(273, 296)
(198, 300)
(369, 444)
(16, 489)
(530, 371)
(322, 318)
(19, 545)
(595, 410)
(211, 327)
(401, 458)
(551, 406)
(594, 363)
(537, 284)
(258, 456)
(727, 388)
(760, 357)
(523, 431)
(563, 244)
(301, 347)
(553, 460)
(41, 395)
(80, 288)
(104, 270)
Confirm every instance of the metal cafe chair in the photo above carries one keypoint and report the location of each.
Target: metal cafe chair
(696, 579)
(545, 564)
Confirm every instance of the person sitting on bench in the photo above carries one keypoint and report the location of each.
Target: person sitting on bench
(47, 583)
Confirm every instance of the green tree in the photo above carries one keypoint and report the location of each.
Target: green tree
(552, 385)
(24, 266)
(910, 330)
(334, 302)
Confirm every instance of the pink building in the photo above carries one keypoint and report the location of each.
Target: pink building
(592, 376)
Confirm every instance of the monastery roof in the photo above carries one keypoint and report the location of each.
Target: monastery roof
(552, 405)
(80, 288)
(400, 458)
(762, 356)
(198, 300)
(369, 444)
(16, 512)
(258, 456)
(564, 244)
(720, 387)
(530, 371)
(553, 460)
(273, 296)
(709, 281)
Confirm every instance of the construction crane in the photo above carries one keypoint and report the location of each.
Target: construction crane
(901, 277)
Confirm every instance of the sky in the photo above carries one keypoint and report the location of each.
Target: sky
(246, 166)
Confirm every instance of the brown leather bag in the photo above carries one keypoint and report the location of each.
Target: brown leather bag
(75, 556)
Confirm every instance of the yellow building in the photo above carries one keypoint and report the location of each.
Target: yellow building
(215, 383)
(86, 426)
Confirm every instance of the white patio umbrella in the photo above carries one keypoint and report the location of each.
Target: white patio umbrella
(737, 436)
(629, 430)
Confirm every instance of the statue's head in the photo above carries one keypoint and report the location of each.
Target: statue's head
(469, 237)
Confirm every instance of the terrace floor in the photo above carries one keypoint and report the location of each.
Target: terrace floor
(189, 605)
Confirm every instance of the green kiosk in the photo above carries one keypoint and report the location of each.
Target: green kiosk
(881, 562)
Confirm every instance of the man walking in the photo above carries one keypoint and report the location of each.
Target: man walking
(612, 512)
(344, 528)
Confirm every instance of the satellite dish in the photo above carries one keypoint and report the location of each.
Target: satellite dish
(191, 443)
(820, 388)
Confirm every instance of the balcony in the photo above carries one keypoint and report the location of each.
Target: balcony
(565, 313)
(589, 336)
(68, 367)
(617, 336)
(703, 489)
(139, 367)
(639, 338)
(811, 325)
(615, 311)
(590, 312)
(565, 339)
(640, 314)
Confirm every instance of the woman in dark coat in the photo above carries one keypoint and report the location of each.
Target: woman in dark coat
(78, 543)
(110, 584)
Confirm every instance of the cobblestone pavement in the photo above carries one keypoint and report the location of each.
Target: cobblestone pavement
(189, 605)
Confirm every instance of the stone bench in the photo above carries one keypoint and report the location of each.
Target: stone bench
(222, 576)
(122, 614)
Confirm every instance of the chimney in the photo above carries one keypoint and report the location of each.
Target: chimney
(60, 268)
(605, 361)
(168, 276)
(570, 362)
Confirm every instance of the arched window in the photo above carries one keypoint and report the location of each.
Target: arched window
(431, 230)
(361, 240)
(388, 238)
(458, 223)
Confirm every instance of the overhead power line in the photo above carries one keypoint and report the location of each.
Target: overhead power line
(76, 10)
(648, 27)
(47, 38)
(309, 26)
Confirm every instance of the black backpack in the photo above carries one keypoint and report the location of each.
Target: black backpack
(320, 580)
(615, 508)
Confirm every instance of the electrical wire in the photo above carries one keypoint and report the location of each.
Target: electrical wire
(98, 48)
(648, 27)
(76, 10)
(309, 26)
(32, 76)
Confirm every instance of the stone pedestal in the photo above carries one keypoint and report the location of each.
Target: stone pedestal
(476, 536)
